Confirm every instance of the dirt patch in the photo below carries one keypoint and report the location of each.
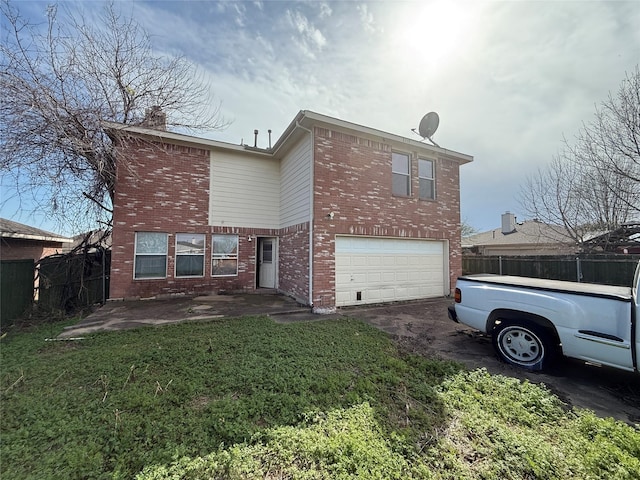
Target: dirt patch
(424, 328)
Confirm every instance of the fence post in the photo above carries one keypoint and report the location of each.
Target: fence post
(578, 269)
(104, 273)
(500, 263)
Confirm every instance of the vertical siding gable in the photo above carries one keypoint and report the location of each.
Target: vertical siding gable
(245, 191)
(295, 190)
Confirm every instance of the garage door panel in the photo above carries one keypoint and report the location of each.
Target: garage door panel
(374, 277)
(402, 277)
(385, 270)
(373, 295)
(359, 278)
(344, 278)
(416, 277)
(401, 260)
(387, 261)
(373, 260)
(343, 298)
(416, 291)
(388, 277)
(388, 294)
(359, 261)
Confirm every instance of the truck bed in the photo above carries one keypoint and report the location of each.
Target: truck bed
(605, 291)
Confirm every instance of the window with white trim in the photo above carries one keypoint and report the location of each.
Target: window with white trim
(224, 255)
(400, 169)
(426, 176)
(190, 254)
(150, 257)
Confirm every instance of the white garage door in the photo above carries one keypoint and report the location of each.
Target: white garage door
(373, 270)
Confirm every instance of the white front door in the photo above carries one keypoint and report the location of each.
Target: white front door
(267, 263)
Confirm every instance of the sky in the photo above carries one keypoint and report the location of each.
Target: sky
(508, 79)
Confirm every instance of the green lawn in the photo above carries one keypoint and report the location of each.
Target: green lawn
(248, 398)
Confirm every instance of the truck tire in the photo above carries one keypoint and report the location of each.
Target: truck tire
(523, 344)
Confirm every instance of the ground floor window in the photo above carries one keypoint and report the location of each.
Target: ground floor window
(224, 255)
(150, 255)
(190, 255)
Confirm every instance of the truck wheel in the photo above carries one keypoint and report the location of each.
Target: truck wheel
(523, 344)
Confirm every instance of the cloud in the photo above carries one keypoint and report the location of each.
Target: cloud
(310, 38)
(325, 10)
(241, 11)
(366, 18)
(514, 79)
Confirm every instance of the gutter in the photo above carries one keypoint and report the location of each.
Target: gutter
(40, 238)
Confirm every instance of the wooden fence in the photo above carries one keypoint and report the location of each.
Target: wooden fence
(16, 289)
(71, 282)
(604, 269)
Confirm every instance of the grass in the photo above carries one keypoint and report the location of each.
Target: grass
(248, 398)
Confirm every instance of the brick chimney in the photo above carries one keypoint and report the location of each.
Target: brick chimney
(154, 117)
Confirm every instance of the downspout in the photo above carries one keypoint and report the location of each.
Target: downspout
(311, 188)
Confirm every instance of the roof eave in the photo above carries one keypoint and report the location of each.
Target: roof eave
(304, 120)
(309, 118)
(40, 238)
(172, 137)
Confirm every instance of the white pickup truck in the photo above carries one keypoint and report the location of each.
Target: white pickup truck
(533, 321)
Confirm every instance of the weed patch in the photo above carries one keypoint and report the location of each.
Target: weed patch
(341, 444)
(501, 427)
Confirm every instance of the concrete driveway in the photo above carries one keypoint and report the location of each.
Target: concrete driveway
(419, 327)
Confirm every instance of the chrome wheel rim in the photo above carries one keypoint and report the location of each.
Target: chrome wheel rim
(521, 345)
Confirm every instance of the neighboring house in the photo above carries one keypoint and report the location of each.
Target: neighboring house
(525, 238)
(333, 214)
(90, 240)
(22, 242)
(624, 239)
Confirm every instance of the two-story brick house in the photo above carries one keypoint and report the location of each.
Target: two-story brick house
(333, 214)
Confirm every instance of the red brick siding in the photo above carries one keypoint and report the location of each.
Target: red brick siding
(353, 180)
(294, 262)
(165, 188)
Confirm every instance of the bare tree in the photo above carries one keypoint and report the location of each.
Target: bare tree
(61, 81)
(466, 229)
(593, 184)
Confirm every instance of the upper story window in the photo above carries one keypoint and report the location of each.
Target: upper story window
(224, 255)
(189, 255)
(426, 176)
(150, 255)
(401, 168)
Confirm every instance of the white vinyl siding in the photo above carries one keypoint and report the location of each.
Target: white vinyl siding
(386, 270)
(295, 171)
(245, 191)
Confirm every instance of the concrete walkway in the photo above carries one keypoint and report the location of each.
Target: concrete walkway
(120, 315)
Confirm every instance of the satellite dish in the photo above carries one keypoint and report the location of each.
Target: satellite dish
(428, 126)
